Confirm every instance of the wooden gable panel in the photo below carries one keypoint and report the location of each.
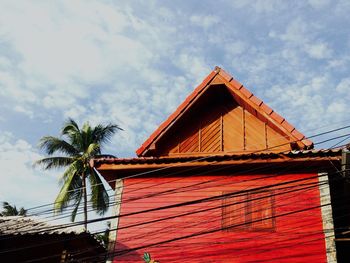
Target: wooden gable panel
(220, 124)
(233, 134)
(254, 131)
(190, 143)
(210, 130)
(211, 136)
(276, 141)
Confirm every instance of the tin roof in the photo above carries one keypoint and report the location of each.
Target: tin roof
(20, 225)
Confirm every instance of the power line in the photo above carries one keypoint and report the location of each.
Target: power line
(289, 187)
(207, 157)
(257, 198)
(187, 203)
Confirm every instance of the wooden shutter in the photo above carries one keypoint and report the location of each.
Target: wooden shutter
(261, 210)
(234, 212)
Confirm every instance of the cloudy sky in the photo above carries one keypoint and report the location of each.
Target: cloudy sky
(132, 62)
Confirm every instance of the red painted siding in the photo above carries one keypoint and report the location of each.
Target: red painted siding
(292, 236)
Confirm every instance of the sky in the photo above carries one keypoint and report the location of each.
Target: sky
(132, 63)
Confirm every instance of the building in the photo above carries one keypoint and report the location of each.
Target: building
(225, 179)
(30, 239)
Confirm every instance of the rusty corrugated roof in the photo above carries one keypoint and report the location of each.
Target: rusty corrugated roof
(19, 225)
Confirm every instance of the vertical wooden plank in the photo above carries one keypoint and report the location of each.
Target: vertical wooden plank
(200, 137)
(243, 122)
(233, 129)
(221, 132)
(254, 133)
(265, 132)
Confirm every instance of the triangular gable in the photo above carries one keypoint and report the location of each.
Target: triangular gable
(222, 116)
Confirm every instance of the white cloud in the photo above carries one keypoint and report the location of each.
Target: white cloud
(259, 6)
(194, 66)
(318, 4)
(205, 21)
(22, 109)
(344, 87)
(337, 107)
(318, 50)
(63, 46)
(300, 35)
(20, 182)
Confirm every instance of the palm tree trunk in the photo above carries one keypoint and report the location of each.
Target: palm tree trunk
(85, 201)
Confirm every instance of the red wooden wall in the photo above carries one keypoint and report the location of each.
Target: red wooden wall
(290, 236)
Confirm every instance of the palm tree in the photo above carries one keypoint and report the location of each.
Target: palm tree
(10, 210)
(75, 148)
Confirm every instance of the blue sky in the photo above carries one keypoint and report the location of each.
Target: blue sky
(132, 62)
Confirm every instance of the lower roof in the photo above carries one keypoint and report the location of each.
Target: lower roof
(282, 156)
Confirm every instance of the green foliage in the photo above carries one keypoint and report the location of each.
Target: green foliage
(147, 258)
(104, 237)
(9, 210)
(74, 149)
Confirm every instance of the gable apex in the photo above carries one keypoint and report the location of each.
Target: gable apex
(246, 100)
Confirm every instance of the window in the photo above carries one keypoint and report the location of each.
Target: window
(248, 211)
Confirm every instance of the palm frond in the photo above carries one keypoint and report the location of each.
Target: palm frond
(51, 145)
(92, 150)
(77, 199)
(86, 135)
(99, 196)
(71, 130)
(22, 212)
(103, 133)
(70, 126)
(75, 167)
(71, 185)
(54, 162)
(10, 210)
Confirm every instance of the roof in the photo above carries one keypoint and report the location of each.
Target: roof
(20, 225)
(243, 93)
(219, 157)
(28, 239)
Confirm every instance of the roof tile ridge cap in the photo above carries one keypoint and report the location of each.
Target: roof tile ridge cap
(229, 78)
(201, 86)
